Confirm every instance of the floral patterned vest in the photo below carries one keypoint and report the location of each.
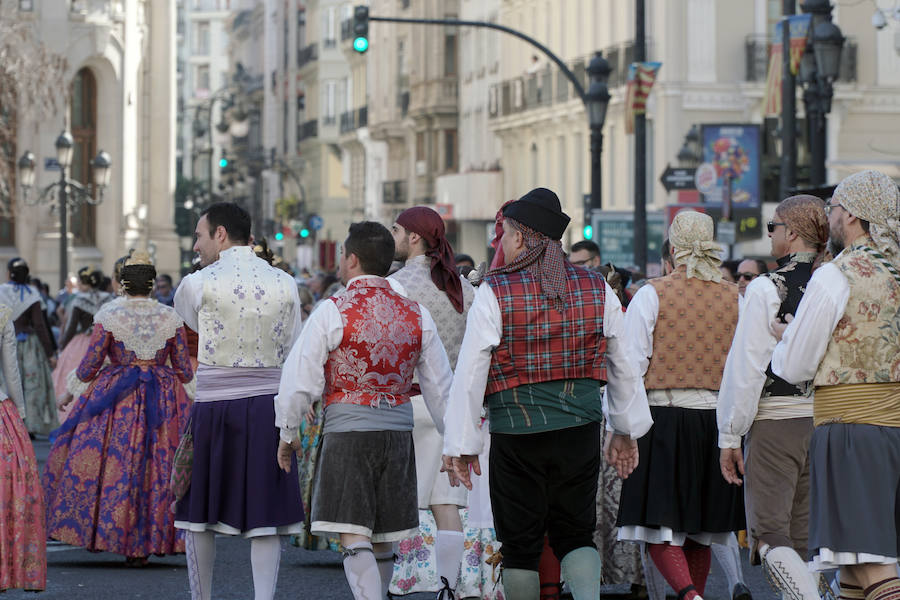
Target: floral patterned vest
(865, 345)
(376, 359)
(247, 314)
(693, 332)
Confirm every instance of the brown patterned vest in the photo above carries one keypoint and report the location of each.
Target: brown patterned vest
(865, 345)
(693, 332)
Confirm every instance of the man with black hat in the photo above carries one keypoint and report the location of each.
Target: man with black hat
(430, 277)
(541, 338)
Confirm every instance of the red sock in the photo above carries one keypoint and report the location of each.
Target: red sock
(549, 572)
(698, 557)
(671, 562)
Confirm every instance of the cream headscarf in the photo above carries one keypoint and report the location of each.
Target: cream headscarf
(691, 236)
(874, 197)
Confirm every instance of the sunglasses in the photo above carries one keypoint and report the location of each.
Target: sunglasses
(747, 276)
(771, 225)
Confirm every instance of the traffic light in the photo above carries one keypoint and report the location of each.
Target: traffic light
(279, 236)
(361, 28)
(223, 162)
(304, 233)
(588, 232)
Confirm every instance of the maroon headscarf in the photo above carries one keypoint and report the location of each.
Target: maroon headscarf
(428, 223)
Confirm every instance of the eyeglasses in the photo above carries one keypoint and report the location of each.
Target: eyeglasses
(830, 206)
(771, 225)
(748, 276)
(580, 263)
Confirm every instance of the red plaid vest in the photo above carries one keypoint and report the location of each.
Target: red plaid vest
(380, 348)
(539, 343)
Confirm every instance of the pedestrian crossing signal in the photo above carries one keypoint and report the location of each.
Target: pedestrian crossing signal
(279, 236)
(304, 233)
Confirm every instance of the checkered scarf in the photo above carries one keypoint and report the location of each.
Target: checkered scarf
(544, 258)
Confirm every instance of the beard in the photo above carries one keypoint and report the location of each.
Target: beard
(836, 240)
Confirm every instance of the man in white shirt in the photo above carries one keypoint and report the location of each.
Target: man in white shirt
(247, 315)
(430, 277)
(541, 336)
(775, 416)
(845, 339)
(359, 351)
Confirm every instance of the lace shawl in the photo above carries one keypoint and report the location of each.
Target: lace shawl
(143, 325)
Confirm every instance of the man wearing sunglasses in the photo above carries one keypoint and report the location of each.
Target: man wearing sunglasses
(776, 416)
(748, 270)
(846, 339)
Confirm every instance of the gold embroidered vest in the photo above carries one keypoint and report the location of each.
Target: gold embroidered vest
(693, 332)
(865, 345)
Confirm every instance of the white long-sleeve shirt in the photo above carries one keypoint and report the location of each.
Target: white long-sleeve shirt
(484, 328)
(802, 347)
(754, 341)
(303, 373)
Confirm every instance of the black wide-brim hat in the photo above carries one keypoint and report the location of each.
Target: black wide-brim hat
(540, 210)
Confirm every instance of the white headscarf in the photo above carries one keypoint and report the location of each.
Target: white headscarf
(874, 197)
(691, 236)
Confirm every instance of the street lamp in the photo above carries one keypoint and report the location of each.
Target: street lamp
(70, 192)
(596, 102)
(819, 67)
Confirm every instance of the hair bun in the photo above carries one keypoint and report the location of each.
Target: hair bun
(139, 257)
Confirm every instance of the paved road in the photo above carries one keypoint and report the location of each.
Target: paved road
(74, 574)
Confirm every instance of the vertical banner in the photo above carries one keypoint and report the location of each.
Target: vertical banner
(641, 77)
(799, 34)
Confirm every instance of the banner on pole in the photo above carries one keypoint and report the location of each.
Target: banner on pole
(641, 77)
(799, 34)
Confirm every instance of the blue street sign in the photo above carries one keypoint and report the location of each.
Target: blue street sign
(316, 223)
(51, 164)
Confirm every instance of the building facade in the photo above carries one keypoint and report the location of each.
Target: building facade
(121, 75)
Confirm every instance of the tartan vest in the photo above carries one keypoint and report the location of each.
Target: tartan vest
(693, 332)
(540, 343)
(865, 345)
(378, 353)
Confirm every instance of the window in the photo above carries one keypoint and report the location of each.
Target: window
(449, 54)
(450, 150)
(201, 80)
(420, 146)
(84, 134)
(201, 38)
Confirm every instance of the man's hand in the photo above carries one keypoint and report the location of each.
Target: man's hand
(731, 461)
(310, 415)
(459, 469)
(64, 400)
(621, 452)
(284, 453)
(779, 326)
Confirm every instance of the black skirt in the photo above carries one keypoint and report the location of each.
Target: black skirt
(678, 482)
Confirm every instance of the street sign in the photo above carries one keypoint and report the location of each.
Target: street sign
(51, 164)
(727, 232)
(678, 178)
(614, 232)
(316, 223)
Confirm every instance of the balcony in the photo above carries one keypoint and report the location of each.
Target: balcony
(393, 192)
(306, 55)
(758, 47)
(310, 129)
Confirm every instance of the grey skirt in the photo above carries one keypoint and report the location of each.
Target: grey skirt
(854, 491)
(366, 485)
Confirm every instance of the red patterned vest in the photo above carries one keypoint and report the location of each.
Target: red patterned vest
(380, 348)
(538, 342)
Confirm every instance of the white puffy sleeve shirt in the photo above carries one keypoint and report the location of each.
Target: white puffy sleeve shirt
(802, 347)
(303, 373)
(484, 328)
(749, 356)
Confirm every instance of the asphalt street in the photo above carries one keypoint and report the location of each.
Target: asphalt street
(75, 574)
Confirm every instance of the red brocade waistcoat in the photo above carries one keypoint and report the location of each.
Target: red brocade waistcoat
(540, 343)
(380, 348)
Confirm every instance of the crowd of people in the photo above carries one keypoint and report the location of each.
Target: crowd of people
(476, 431)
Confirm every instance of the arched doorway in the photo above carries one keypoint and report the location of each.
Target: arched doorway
(83, 119)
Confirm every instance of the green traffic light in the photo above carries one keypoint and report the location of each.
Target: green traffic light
(223, 162)
(304, 233)
(361, 44)
(279, 236)
(588, 232)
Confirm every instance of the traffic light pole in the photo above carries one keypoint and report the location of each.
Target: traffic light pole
(579, 89)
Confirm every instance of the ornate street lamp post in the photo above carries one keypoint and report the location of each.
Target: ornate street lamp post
(69, 192)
